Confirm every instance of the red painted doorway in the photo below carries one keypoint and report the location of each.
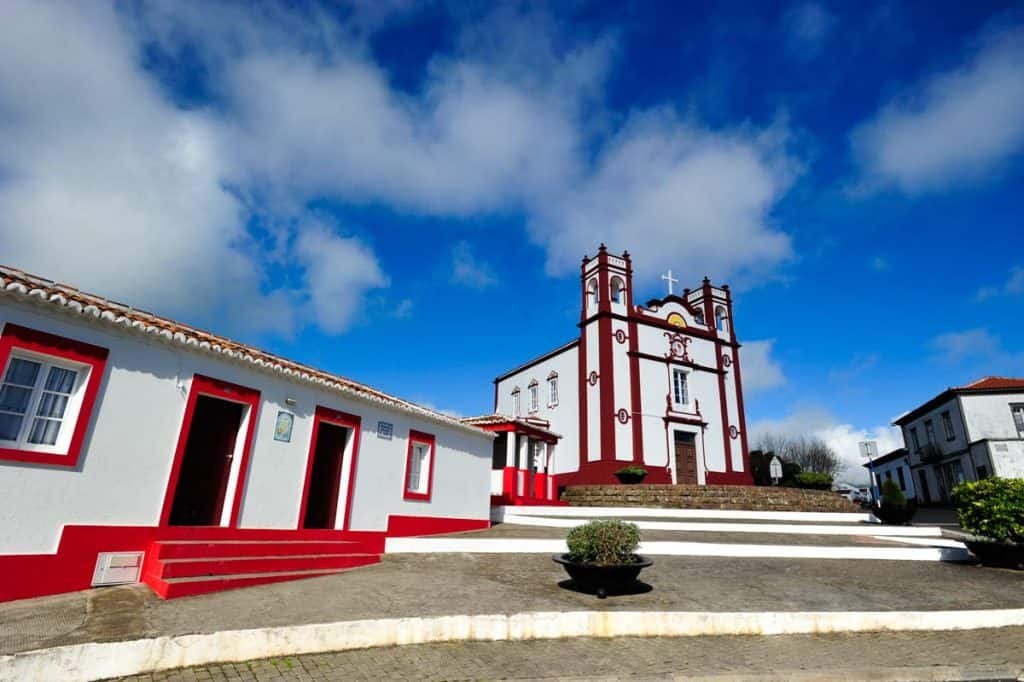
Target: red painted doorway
(206, 464)
(321, 502)
(330, 458)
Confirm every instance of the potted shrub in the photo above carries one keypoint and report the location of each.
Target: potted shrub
(893, 509)
(631, 474)
(602, 556)
(992, 511)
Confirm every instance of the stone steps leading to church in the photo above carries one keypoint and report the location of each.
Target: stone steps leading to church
(745, 498)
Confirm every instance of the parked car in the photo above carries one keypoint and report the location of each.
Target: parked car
(861, 496)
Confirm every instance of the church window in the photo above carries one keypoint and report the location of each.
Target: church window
(515, 403)
(419, 466)
(553, 390)
(720, 319)
(680, 392)
(47, 388)
(593, 291)
(616, 290)
(699, 317)
(534, 396)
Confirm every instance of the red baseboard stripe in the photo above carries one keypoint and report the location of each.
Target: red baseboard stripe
(405, 526)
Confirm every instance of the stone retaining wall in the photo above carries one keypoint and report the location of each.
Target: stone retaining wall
(744, 498)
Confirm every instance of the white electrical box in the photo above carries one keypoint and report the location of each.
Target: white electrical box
(117, 568)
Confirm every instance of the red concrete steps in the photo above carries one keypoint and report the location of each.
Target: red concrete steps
(203, 567)
(197, 549)
(172, 588)
(200, 561)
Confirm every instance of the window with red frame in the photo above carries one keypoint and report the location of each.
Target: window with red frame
(419, 466)
(47, 390)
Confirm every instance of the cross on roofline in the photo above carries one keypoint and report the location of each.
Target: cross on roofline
(671, 280)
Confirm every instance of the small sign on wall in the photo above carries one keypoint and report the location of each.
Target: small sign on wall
(283, 426)
(385, 430)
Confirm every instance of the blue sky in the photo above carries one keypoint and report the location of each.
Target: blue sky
(401, 192)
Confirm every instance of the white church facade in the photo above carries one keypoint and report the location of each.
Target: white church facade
(657, 385)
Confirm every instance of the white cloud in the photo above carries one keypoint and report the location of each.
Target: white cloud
(1014, 285)
(338, 272)
(469, 270)
(807, 26)
(956, 125)
(678, 195)
(841, 437)
(760, 370)
(108, 186)
(978, 349)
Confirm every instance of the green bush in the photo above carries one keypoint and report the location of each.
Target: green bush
(993, 508)
(604, 543)
(633, 469)
(814, 480)
(892, 495)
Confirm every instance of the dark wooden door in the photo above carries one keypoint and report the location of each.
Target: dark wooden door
(325, 479)
(686, 461)
(206, 466)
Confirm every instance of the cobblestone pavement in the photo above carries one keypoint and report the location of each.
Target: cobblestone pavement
(509, 583)
(978, 654)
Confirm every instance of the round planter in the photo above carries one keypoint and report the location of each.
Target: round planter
(630, 478)
(997, 554)
(603, 580)
(893, 515)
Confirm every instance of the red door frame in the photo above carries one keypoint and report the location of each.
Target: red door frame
(215, 388)
(348, 421)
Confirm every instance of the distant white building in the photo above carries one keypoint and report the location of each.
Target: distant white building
(656, 385)
(893, 466)
(965, 433)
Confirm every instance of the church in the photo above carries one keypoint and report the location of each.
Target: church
(656, 385)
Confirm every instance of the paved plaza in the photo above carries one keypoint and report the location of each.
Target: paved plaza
(510, 583)
(507, 583)
(978, 654)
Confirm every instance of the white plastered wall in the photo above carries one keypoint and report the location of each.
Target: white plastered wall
(122, 474)
(564, 417)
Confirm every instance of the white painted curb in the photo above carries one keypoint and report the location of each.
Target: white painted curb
(112, 659)
(498, 513)
(667, 548)
(713, 527)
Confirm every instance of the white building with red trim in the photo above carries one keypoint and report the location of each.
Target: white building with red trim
(656, 385)
(135, 447)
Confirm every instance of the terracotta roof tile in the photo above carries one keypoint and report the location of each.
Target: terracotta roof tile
(20, 284)
(990, 383)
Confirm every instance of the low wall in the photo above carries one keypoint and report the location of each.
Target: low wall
(708, 497)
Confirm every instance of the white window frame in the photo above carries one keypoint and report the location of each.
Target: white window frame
(419, 462)
(553, 391)
(534, 389)
(516, 405)
(72, 411)
(679, 371)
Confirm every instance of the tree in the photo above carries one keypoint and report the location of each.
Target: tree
(809, 453)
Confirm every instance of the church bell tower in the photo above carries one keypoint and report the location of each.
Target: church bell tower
(610, 433)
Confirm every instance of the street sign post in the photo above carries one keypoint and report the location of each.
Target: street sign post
(775, 470)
